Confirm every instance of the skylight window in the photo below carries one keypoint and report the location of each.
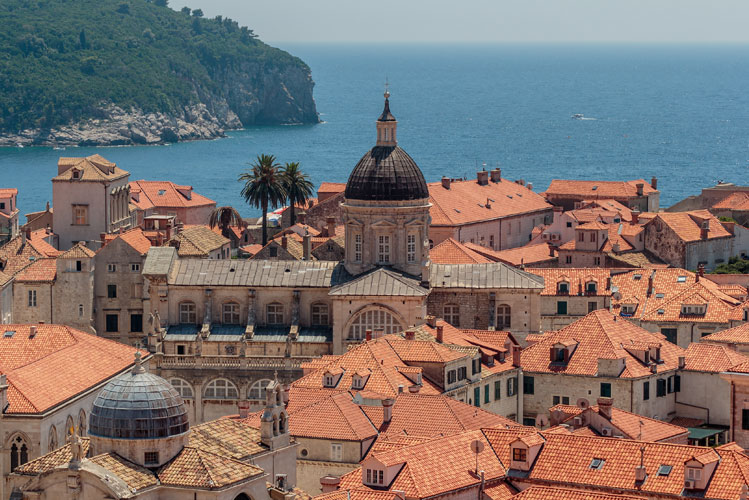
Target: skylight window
(595, 187)
(664, 470)
(597, 463)
(162, 192)
(661, 311)
(658, 295)
(9, 333)
(681, 279)
(637, 277)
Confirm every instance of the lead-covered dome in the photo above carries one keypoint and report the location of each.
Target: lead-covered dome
(386, 173)
(138, 405)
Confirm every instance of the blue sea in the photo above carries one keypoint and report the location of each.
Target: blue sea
(678, 112)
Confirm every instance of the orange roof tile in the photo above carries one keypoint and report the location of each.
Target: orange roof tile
(38, 241)
(332, 187)
(15, 255)
(598, 335)
(251, 249)
(713, 358)
(530, 254)
(735, 201)
(227, 437)
(198, 241)
(736, 291)
(465, 201)
(552, 493)
(195, 468)
(451, 251)
(590, 190)
(40, 271)
(735, 335)
(77, 251)
(93, 168)
(55, 458)
(8, 192)
(165, 194)
(46, 369)
(358, 494)
(686, 225)
(135, 476)
(576, 277)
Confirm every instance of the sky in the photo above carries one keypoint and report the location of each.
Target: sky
(486, 21)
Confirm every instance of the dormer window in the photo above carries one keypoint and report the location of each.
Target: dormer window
(694, 473)
(76, 174)
(694, 309)
(597, 463)
(681, 279)
(519, 454)
(375, 476)
(628, 309)
(558, 355)
(563, 287)
(591, 287)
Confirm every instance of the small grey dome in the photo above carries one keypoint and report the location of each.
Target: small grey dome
(386, 173)
(138, 405)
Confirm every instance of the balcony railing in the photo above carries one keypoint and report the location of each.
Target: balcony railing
(235, 362)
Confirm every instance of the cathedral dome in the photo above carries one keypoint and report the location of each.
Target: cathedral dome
(386, 173)
(138, 405)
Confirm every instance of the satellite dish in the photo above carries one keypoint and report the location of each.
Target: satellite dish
(542, 420)
(583, 403)
(477, 446)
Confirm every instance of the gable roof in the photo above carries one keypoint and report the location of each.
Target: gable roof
(704, 356)
(491, 275)
(465, 202)
(381, 282)
(77, 251)
(198, 241)
(134, 238)
(17, 254)
(227, 437)
(576, 277)
(196, 468)
(165, 194)
(599, 335)
(94, 168)
(530, 254)
(687, 225)
(451, 251)
(591, 190)
(736, 335)
(39, 271)
(738, 200)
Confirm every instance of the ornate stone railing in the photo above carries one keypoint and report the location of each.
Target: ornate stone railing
(230, 362)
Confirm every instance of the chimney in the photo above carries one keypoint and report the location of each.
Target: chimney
(329, 483)
(551, 251)
(440, 334)
(482, 177)
(640, 473)
(615, 247)
(608, 283)
(530, 186)
(700, 272)
(488, 203)
(414, 389)
(284, 242)
(244, 408)
(301, 217)
(516, 356)
(410, 335)
(431, 320)
(331, 226)
(635, 216)
(368, 335)
(604, 407)
(730, 227)
(496, 175)
(400, 388)
(640, 187)
(446, 182)
(682, 362)
(650, 285)
(704, 229)
(654, 182)
(387, 408)
(32, 331)
(307, 245)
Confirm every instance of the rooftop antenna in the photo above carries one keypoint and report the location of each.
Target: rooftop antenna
(477, 446)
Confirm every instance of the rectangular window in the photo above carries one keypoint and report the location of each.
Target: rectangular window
(660, 387)
(451, 377)
(477, 396)
(230, 313)
(181, 349)
(369, 475)
(670, 384)
(476, 366)
(497, 390)
(380, 477)
(745, 420)
(511, 386)
(274, 314)
(357, 247)
(383, 249)
(529, 385)
(555, 400)
(593, 237)
(592, 306)
(486, 394)
(462, 373)
(80, 215)
(451, 314)
(32, 298)
(519, 454)
(78, 266)
(568, 259)
(151, 457)
(136, 322)
(596, 261)
(2, 205)
(135, 267)
(411, 248)
(565, 400)
(187, 313)
(112, 323)
(562, 307)
(336, 452)
(605, 390)
(581, 236)
(111, 268)
(670, 334)
(112, 291)
(491, 242)
(320, 315)
(677, 383)
(645, 391)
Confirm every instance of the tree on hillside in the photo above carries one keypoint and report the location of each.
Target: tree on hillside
(197, 13)
(224, 218)
(161, 3)
(263, 186)
(298, 187)
(82, 39)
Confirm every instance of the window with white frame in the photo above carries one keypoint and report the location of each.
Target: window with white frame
(135, 267)
(357, 247)
(504, 317)
(694, 473)
(451, 314)
(274, 314)
(111, 268)
(320, 315)
(187, 313)
(182, 387)
(32, 298)
(257, 391)
(221, 389)
(373, 320)
(383, 249)
(230, 313)
(336, 452)
(411, 248)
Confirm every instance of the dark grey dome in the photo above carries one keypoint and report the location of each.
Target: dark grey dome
(386, 173)
(138, 405)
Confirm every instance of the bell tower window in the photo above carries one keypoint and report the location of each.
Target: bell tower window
(411, 248)
(383, 249)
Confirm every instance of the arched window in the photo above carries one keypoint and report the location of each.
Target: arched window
(69, 427)
(282, 423)
(52, 439)
(591, 287)
(451, 314)
(230, 314)
(274, 314)
(373, 320)
(19, 452)
(320, 315)
(187, 313)
(504, 315)
(221, 389)
(82, 423)
(257, 391)
(183, 387)
(563, 287)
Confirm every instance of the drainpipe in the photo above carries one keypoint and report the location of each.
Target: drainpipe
(733, 393)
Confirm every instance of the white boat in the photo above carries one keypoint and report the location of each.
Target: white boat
(59, 148)
(19, 145)
(578, 116)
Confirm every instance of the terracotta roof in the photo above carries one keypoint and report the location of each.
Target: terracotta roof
(736, 291)
(686, 225)
(8, 192)
(500, 491)
(136, 239)
(15, 255)
(643, 259)
(135, 476)
(610, 205)
(251, 249)
(195, 468)
(737, 313)
(165, 194)
(530, 254)
(53, 459)
(227, 437)
(91, 168)
(334, 417)
(735, 201)
(598, 189)
(358, 494)
(77, 251)
(198, 241)
(41, 245)
(465, 201)
(451, 251)
(577, 279)
(40, 271)
(551, 493)
(332, 187)
(736, 335)
(598, 335)
(46, 370)
(713, 358)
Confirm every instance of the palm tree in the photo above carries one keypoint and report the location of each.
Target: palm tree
(263, 186)
(298, 187)
(224, 218)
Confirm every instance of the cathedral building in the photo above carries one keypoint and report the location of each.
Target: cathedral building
(220, 328)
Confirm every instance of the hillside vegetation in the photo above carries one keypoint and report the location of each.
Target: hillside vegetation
(60, 60)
